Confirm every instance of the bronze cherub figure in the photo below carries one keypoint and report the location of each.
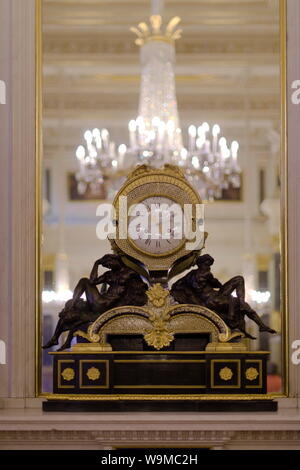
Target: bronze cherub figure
(200, 287)
(120, 286)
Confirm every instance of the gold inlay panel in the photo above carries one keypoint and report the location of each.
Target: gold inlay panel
(225, 361)
(93, 361)
(259, 363)
(60, 370)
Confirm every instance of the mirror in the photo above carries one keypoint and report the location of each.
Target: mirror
(227, 73)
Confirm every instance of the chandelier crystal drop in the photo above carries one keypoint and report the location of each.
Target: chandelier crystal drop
(155, 136)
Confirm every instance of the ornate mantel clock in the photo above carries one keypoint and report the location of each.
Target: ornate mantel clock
(156, 189)
(141, 341)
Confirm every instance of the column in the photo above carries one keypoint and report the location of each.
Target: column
(293, 175)
(17, 201)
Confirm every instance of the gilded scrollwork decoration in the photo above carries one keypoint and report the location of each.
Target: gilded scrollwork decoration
(160, 335)
(157, 295)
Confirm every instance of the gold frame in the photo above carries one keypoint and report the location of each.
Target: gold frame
(284, 196)
(38, 197)
(283, 245)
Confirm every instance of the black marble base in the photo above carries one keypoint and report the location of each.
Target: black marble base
(228, 406)
(163, 373)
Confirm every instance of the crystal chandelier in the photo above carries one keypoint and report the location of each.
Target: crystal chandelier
(155, 136)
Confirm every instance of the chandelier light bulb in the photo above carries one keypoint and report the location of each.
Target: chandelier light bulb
(80, 152)
(184, 153)
(205, 127)
(195, 163)
(104, 134)
(88, 136)
(200, 142)
(155, 121)
(222, 142)
(97, 136)
(122, 149)
(234, 149)
(226, 152)
(96, 133)
(132, 125)
(216, 130)
(192, 131)
(98, 142)
(112, 149)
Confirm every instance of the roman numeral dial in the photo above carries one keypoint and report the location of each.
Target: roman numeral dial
(157, 229)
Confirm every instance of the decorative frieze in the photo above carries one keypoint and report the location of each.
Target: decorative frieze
(79, 44)
(119, 437)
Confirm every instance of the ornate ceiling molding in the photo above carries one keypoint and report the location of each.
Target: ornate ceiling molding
(89, 101)
(87, 43)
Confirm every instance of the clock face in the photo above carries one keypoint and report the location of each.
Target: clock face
(165, 230)
(155, 225)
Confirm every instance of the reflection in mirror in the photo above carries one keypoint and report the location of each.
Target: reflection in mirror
(227, 73)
